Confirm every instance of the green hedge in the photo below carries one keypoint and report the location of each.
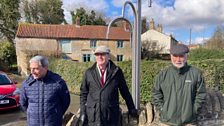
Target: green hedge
(204, 54)
(72, 72)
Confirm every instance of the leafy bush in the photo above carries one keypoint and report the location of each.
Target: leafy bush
(7, 54)
(72, 72)
(204, 53)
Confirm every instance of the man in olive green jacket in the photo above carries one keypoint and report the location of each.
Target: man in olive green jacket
(179, 90)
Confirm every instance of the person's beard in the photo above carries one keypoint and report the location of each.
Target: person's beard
(179, 64)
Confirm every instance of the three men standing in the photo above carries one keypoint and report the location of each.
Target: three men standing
(178, 92)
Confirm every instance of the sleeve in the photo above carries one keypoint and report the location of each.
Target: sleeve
(65, 96)
(200, 93)
(123, 88)
(23, 98)
(84, 90)
(157, 94)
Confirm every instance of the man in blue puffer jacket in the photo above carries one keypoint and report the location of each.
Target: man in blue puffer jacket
(44, 96)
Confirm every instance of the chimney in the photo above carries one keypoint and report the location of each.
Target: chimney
(152, 24)
(77, 21)
(126, 26)
(160, 28)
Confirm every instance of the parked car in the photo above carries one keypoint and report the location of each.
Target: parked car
(9, 93)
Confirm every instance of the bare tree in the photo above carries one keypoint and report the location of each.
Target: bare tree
(150, 49)
(217, 40)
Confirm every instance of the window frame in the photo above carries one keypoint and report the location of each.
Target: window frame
(120, 44)
(120, 58)
(86, 57)
(66, 46)
(93, 43)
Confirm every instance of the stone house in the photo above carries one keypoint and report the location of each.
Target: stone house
(74, 42)
(155, 40)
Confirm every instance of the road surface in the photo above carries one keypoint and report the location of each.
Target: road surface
(18, 118)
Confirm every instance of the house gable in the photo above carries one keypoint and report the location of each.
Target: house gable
(163, 41)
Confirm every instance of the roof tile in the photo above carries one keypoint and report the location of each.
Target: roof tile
(71, 32)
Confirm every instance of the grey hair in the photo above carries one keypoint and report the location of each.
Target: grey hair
(41, 60)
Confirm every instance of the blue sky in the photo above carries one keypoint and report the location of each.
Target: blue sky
(176, 16)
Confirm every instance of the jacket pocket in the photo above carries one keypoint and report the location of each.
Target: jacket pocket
(113, 113)
(91, 111)
(164, 113)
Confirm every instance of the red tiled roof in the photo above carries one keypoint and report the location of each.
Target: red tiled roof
(71, 32)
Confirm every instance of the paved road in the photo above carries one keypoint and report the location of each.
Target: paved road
(17, 118)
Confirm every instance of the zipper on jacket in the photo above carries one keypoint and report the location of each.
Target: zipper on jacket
(42, 100)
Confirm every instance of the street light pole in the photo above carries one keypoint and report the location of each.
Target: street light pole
(136, 49)
(137, 58)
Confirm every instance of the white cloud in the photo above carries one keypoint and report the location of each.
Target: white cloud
(99, 5)
(118, 3)
(199, 40)
(187, 13)
(183, 15)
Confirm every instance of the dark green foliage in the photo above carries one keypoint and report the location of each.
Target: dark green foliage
(72, 72)
(51, 12)
(87, 19)
(9, 17)
(43, 11)
(7, 55)
(213, 71)
(204, 54)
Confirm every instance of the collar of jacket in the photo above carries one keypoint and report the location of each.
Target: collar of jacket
(50, 75)
(181, 70)
(110, 66)
(111, 71)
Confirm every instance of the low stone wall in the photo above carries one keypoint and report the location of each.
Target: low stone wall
(211, 113)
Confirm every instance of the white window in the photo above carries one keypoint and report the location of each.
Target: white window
(93, 43)
(66, 46)
(119, 44)
(119, 57)
(86, 57)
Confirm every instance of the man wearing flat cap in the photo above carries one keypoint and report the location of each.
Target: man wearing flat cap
(179, 90)
(99, 98)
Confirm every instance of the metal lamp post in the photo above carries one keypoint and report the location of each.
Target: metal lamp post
(136, 48)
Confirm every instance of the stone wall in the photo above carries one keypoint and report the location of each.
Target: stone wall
(211, 113)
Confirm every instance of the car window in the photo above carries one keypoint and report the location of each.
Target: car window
(4, 80)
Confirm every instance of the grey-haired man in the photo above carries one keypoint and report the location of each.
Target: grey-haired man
(44, 96)
(99, 98)
(179, 90)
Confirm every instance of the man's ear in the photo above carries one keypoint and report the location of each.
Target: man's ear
(46, 68)
(109, 56)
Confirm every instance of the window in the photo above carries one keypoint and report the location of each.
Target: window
(154, 44)
(119, 57)
(119, 44)
(92, 43)
(66, 46)
(86, 57)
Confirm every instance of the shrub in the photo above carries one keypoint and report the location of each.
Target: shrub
(7, 54)
(72, 72)
(204, 54)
